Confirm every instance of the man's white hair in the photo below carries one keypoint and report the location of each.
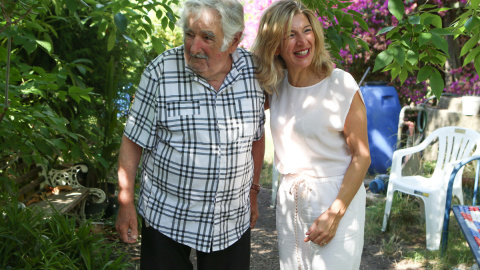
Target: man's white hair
(231, 13)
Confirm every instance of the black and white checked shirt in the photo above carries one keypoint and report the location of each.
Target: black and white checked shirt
(197, 165)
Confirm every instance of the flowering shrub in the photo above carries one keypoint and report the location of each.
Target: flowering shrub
(468, 84)
(253, 10)
(377, 16)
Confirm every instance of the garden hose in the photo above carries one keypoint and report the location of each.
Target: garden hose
(422, 119)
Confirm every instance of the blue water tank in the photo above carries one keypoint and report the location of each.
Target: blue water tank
(383, 109)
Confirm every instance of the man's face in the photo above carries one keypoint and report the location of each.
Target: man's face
(203, 40)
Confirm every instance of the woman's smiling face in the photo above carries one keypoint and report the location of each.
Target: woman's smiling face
(298, 45)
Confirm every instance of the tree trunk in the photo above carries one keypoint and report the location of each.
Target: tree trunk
(454, 48)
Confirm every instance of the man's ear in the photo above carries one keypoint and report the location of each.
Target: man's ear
(235, 42)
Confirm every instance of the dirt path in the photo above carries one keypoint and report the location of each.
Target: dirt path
(265, 249)
(264, 254)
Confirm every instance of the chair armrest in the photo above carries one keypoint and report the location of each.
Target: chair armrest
(398, 155)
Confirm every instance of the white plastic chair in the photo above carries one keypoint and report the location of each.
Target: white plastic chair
(454, 144)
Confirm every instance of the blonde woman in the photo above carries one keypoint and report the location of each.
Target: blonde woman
(319, 128)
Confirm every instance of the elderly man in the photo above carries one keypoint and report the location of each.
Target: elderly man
(197, 124)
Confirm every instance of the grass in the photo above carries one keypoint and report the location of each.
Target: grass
(405, 235)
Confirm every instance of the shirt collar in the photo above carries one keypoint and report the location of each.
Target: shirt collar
(238, 63)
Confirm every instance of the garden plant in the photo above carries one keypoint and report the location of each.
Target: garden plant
(70, 69)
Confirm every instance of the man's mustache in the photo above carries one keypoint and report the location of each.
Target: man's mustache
(200, 56)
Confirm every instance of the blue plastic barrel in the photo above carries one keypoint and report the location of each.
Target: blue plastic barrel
(383, 109)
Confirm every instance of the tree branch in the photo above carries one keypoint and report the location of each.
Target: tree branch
(8, 19)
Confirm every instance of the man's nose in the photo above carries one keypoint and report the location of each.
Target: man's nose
(196, 46)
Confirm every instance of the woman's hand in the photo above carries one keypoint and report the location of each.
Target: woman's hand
(324, 228)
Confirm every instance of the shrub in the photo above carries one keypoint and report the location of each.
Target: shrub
(32, 241)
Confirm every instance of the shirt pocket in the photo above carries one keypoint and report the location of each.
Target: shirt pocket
(247, 116)
(183, 108)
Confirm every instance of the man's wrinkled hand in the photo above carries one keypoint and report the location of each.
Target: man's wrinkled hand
(127, 225)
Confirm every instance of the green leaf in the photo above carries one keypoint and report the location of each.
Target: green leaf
(159, 14)
(424, 38)
(394, 35)
(418, 28)
(424, 74)
(82, 60)
(72, 5)
(62, 95)
(43, 147)
(440, 43)
(75, 90)
(336, 55)
(398, 54)
(347, 21)
(436, 10)
(470, 44)
(81, 69)
(332, 34)
(158, 45)
(385, 30)
(437, 21)
(111, 40)
(442, 31)
(384, 58)
(355, 13)
(30, 46)
(164, 23)
(475, 3)
(396, 8)
(86, 97)
(121, 22)
(414, 19)
(436, 83)
(394, 68)
(431, 19)
(476, 63)
(412, 57)
(469, 58)
(351, 44)
(472, 23)
(78, 93)
(403, 76)
(364, 44)
(58, 143)
(426, 6)
(76, 152)
(361, 22)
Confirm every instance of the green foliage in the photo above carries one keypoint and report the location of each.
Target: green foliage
(417, 41)
(66, 64)
(468, 24)
(32, 241)
(418, 46)
(339, 25)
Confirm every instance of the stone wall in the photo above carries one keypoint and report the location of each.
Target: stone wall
(448, 112)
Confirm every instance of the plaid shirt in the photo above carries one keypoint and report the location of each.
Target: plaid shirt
(197, 165)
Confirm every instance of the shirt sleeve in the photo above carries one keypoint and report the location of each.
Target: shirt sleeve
(261, 123)
(350, 88)
(142, 118)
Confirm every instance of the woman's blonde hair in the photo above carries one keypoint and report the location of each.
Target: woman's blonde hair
(276, 21)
